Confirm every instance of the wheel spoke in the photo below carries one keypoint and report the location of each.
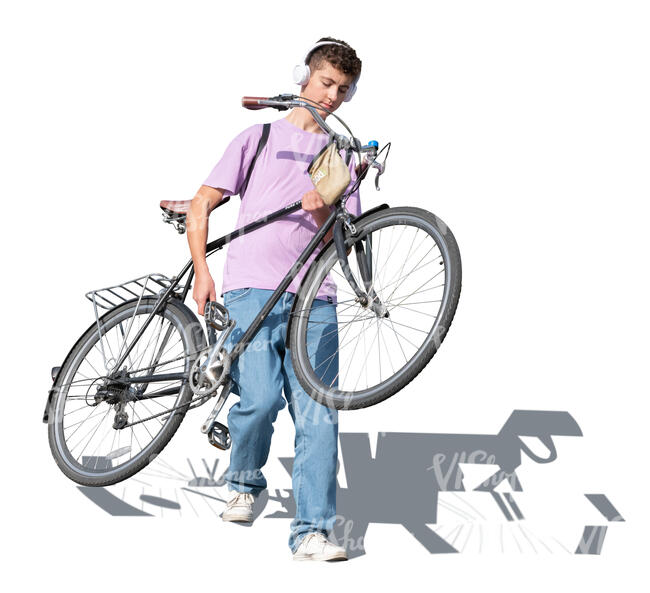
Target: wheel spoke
(87, 437)
(370, 350)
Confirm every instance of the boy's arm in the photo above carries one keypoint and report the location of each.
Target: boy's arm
(206, 199)
(313, 203)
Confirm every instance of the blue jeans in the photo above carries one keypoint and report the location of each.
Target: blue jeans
(259, 376)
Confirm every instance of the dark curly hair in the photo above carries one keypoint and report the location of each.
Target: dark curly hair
(342, 58)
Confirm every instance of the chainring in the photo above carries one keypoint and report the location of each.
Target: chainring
(204, 383)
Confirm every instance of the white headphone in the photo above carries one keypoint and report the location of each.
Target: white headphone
(301, 72)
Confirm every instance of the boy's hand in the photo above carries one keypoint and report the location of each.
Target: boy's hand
(203, 290)
(312, 201)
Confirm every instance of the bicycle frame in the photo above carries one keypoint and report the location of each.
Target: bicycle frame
(337, 219)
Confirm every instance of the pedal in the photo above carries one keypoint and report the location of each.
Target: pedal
(216, 315)
(219, 436)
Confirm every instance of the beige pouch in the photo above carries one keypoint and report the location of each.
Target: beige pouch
(329, 174)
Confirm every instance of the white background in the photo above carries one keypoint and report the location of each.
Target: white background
(523, 125)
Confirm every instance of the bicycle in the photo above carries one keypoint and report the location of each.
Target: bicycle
(395, 298)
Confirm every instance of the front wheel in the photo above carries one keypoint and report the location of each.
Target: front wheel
(350, 355)
(103, 428)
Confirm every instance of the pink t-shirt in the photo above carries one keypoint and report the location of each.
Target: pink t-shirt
(262, 258)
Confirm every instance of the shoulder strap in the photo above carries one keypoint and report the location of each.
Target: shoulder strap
(260, 147)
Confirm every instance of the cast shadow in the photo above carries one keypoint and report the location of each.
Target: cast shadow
(400, 485)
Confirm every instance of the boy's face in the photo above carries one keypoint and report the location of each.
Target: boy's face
(327, 86)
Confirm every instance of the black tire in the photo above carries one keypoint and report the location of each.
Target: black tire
(99, 470)
(370, 230)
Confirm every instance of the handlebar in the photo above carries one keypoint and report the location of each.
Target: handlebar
(280, 102)
(287, 101)
(254, 102)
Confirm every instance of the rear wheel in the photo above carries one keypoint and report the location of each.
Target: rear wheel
(103, 430)
(360, 356)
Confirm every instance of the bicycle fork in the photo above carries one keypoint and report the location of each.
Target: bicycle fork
(367, 298)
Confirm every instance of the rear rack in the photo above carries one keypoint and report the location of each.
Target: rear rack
(112, 296)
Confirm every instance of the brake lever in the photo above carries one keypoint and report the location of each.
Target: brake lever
(380, 171)
(283, 98)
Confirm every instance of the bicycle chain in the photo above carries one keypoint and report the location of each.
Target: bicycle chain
(189, 403)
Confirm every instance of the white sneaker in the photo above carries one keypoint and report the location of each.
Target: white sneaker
(239, 507)
(315, 546)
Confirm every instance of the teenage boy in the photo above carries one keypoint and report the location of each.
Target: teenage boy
(255, 265)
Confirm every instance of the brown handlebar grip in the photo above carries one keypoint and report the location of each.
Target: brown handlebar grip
(252, 102)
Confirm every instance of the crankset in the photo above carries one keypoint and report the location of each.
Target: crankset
(212, 366)
(210, 369)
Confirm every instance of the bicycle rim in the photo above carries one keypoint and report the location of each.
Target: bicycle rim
(83, 433)
(358, 358)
